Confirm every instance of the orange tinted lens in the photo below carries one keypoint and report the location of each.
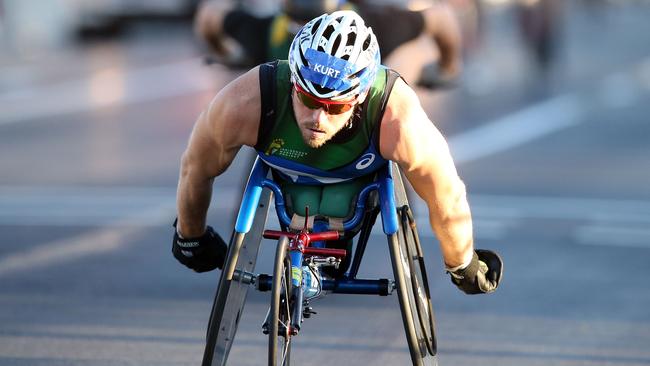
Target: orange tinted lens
(338, 108)
(309, 102)
(329, 108)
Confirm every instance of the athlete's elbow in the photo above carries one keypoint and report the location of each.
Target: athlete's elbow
(453, 206)
(190, 169)
(186, 164)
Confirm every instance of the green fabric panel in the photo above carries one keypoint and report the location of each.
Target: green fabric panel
(332, 200)
(335, 196)
(303, 196)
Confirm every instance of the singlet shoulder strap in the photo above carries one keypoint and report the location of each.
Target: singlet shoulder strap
(391, 78)
(268, 98)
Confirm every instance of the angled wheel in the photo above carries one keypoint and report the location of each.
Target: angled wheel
(416, 274)
(280, 314)
(231, 293)
(411, 280)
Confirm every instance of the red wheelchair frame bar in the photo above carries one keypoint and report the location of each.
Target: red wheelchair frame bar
(300, 241)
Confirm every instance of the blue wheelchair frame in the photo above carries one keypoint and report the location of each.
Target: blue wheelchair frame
(258, 181)
(237, 273)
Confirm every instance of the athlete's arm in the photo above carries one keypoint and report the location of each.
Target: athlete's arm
(409, 138)
(230, 121)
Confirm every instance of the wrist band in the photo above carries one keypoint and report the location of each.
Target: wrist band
(463, 265)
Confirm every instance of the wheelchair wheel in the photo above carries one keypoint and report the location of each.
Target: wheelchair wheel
(413, 292)
(231, 293)
(411, 252)
(280, 313)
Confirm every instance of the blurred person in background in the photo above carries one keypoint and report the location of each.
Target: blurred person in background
(326, 120)
(539, 23)
(408, 39)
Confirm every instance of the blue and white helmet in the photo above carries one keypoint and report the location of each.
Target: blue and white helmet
(335, 56)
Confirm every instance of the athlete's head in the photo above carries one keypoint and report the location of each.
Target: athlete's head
(334, 60)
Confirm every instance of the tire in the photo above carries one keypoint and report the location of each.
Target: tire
(419, 294)
(280, 313)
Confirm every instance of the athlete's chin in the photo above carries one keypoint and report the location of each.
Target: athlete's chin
(315, 139)
(315, 143)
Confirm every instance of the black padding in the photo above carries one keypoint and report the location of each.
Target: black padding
(268, 99)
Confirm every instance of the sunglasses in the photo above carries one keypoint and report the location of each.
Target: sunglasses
(330, 107)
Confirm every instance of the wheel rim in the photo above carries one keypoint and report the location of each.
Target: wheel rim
(284, 316)
(419, 294)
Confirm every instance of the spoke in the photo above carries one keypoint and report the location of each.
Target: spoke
(286, 326)
(286, 349)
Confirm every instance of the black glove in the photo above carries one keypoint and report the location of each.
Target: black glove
(201, 254)
(481, 276)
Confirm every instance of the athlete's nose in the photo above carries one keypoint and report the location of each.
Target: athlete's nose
(320, 116)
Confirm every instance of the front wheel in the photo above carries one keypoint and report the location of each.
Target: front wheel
(420, 296)
(279, 325)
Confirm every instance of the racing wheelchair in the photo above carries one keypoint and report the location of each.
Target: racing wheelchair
(296, 257)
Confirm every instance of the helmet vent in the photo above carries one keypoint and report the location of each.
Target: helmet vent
(352, 37)
(321, 90)
(303, 60)
(337, 42)
(367, 42)
(328, 31)
(314, 27)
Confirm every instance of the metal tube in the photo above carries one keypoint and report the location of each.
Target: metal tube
(381, 287)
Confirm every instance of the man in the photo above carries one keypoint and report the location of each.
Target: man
(409, 40)
(334, 105)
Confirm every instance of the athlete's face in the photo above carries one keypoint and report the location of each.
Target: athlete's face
(316, 125)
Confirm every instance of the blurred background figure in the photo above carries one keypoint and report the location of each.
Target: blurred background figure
(540, 23)
(410, 37)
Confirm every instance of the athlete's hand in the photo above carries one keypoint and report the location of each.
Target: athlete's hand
(481, 276)
(433, 76)
(201, 254)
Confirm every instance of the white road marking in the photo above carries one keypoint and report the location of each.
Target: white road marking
(617, 90)
(617, 223)
(517, 128)
(96, 206)
(613, 236)
(121, 213)
(594, 209)
(67, 249)
(561, 208)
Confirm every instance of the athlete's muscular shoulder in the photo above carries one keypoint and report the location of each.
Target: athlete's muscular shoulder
(405, 128)
(409, 138)
(234, 113)
(230, 121)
